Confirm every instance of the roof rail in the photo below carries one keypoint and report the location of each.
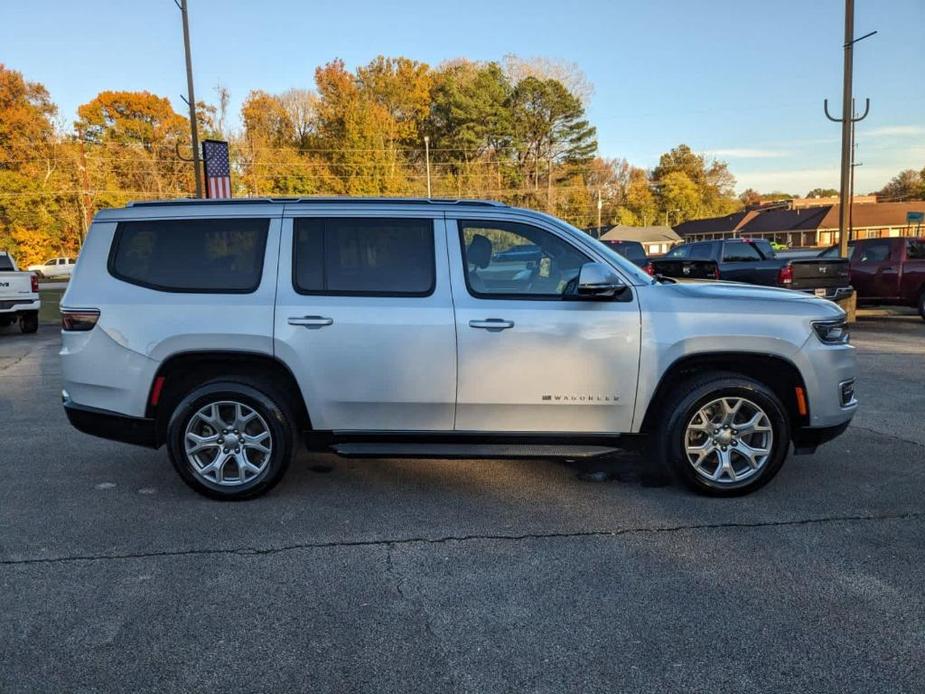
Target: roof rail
(316, 201)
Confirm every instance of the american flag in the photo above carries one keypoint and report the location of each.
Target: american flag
(218, 171)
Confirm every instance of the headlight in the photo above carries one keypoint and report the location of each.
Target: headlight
(832, 332)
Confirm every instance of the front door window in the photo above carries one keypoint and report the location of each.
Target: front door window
(508, 260)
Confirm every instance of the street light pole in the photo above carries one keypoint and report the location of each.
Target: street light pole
(600, 204)
(191, 97)
(427, 159)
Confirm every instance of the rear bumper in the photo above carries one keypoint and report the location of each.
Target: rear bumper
(16, 306)
(831, 293)
(140, 431)
(806, 440)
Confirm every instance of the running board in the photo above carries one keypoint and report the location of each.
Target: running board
(467, 450)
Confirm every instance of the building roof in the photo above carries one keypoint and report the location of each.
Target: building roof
(886, 214)
(655, 234)
(711, 225)
(882, 214)
(782, 219)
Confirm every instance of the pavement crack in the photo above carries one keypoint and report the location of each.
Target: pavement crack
(390, 570)
(393, 542)
(886, 435)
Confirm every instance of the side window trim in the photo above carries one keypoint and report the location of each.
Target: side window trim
(362, 293)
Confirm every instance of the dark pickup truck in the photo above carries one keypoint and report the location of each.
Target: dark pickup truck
(754, 262)
(887, 271)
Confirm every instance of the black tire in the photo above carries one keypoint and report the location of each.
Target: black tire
(273, 412)
(922, 304)
(29, 322)
(681, 408)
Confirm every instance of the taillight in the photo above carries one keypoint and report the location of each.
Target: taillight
(716, 272)
(79, 320)
(785, 276)
(650, 269)
(35, 282)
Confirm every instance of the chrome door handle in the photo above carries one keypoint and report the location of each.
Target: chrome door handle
(311, 321)
(493, 325)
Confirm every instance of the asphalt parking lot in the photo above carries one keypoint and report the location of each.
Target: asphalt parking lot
(478, 576)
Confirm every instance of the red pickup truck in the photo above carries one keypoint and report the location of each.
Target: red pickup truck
(887, 271)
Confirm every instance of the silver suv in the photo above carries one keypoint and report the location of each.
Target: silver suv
(228, 330)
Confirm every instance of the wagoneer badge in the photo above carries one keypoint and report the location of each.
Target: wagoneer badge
(591, 399)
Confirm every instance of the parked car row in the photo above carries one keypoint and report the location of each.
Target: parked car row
(755, 262)
(889, 271)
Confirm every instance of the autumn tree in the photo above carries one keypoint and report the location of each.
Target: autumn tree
(822, 193)
(640, 206)
(357, 134)
(31, 171)
(401, 87)
(689, 186)
(906, 185)
(301, 107)
(140, 133)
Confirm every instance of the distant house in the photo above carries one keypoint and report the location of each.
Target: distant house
(656, 240)
(805, 226)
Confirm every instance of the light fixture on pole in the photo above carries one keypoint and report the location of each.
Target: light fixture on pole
(427, 160)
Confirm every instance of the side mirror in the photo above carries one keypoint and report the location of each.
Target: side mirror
(599, 280)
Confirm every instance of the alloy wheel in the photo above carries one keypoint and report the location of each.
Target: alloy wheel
(227, 443)
(728, 440)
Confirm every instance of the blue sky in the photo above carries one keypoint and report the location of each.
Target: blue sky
(741, 80)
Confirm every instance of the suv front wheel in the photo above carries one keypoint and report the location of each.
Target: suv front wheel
(724, 434)
(230, 440)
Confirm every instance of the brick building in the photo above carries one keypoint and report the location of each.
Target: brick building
(799, 224)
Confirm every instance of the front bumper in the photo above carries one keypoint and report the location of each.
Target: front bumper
(806, 440)
(105, 424)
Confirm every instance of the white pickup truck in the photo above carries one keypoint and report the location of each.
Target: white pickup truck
(19, 296)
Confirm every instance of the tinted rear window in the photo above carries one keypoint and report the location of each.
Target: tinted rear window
(739, 252)
(385, 257)
(6, 265)
(191, 255)
(629, 250)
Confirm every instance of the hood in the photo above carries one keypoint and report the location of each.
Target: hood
(738, 294)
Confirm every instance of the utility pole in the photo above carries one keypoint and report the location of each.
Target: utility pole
(600, 204)
(549, 207)
(191, 97)
(847, 126)
(86, 202)
(427, 159)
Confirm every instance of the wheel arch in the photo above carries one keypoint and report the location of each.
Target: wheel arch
(778, 373)
(184, 371)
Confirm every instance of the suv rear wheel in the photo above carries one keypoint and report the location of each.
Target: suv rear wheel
(231, 440)
(724, 434)
(922, 304)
